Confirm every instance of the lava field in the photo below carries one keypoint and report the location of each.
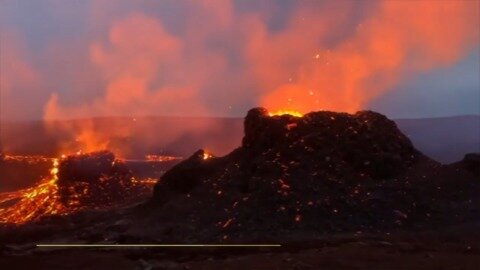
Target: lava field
(293, 179)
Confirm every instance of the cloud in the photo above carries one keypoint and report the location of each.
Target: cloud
(21, 82)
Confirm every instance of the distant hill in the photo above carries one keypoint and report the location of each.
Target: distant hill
(444, 139)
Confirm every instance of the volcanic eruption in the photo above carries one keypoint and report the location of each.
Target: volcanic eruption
(100, 101)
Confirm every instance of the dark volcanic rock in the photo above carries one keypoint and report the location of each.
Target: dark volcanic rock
(366, 142)
(90, 168)
(94, 179)
(310, 175)
(471, 162)
(184, 177)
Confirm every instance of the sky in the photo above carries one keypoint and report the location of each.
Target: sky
(63, 59)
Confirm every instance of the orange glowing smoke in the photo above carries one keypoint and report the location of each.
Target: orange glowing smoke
(396, 39)
(327, 56)
(91, 141)
(138, 49)
(85, 135)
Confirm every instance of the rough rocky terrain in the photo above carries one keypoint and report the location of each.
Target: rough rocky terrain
(304, 177)
(95, 180)
(336, 190)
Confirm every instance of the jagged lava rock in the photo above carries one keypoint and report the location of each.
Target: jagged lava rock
(307, 175)
(95, 179)
(366, 142)
(89, 167)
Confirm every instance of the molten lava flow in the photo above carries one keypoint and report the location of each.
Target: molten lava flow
(146, 181)
(206, 156)
(28, 159)
(65, 192)
(159, 158)
(286, 112)
(34, 202)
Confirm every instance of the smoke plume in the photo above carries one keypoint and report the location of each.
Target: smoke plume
(219, 58)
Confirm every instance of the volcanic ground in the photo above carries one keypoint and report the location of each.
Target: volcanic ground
(292, 180)
(301, 177)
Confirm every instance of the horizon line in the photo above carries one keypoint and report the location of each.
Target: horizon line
(212, 117)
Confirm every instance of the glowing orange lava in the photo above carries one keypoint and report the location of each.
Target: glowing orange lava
(45, 198)
(160, 158)
(286, 112)
(40, 200)
(206, 156)
(34, 159)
